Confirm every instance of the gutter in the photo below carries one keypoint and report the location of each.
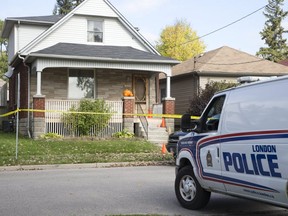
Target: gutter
(29, 21)
(40, 55)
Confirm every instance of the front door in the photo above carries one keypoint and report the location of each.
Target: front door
(140, 89)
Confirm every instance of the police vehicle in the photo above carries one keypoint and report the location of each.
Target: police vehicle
(238, 147)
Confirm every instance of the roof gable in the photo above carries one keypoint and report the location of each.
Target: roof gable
(102, 9)
(99, 8)
(228, 60)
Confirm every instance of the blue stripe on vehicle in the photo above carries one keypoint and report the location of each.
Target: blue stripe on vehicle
(201, 143)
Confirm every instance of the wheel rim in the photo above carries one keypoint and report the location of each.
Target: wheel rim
(187, 188)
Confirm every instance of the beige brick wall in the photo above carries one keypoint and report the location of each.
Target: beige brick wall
(109, 84)
(54, 83)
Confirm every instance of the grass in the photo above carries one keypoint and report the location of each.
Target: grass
(72, 151)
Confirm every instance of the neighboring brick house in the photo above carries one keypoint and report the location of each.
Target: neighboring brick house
(224, 63)
(95, 43)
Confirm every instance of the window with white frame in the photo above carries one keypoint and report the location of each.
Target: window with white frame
(81, 84)
(95, 31)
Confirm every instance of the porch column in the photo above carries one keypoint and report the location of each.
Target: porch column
(128, 120)
(38, 92)
(168, 84)
(169, 108)
(38, 116)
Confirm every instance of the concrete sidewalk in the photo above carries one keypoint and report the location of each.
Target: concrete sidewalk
(83, 165)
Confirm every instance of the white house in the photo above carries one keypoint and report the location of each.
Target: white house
(48, 54)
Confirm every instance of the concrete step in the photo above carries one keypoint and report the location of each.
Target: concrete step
(155, 122)
(156, 134)
(157, 129)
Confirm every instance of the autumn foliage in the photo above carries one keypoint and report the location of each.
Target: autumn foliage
(180, 42)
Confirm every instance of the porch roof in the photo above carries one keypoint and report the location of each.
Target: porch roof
(100, 53)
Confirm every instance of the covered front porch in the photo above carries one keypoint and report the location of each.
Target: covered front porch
(59, 78)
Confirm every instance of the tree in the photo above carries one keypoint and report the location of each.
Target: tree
(179, 41)
(63, 7)
(199, 102)
(3, 53)
(273, 32)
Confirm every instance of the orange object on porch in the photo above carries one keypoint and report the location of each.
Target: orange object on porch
(164, 150)
(149, 112)
(163, 123)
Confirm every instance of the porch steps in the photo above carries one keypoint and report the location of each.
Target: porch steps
(156, 133)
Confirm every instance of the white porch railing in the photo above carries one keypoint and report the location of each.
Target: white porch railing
(55, 110)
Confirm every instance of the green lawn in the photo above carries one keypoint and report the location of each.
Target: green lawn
(68, 151)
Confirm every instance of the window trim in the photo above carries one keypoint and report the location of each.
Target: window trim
(81, 69)
(95, 20)
(205, 117)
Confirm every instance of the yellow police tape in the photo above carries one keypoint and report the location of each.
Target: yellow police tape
(176, 116)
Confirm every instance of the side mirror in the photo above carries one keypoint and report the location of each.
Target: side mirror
(187, 124)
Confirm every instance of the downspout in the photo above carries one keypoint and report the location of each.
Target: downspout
(28, 98)
(28, 70)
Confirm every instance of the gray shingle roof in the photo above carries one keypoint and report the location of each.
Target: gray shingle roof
(100, 51)
(228, 60)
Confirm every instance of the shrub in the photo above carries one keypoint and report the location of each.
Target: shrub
(199, 102)
(123, 134)
(90, 113)
(51, 136)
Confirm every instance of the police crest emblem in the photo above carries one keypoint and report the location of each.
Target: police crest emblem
(209, 159)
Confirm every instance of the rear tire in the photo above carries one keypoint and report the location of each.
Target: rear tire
(188, 190)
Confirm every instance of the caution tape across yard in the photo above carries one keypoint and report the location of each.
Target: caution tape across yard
(175, 116)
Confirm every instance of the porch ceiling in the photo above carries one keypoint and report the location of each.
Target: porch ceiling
(99, 56)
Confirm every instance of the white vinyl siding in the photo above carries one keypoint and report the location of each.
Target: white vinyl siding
(27, 33)
(11, 45)
(117, 34)
(20, 36)
(75, 31)
(98, 7)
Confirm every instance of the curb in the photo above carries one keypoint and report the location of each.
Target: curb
(84, 166)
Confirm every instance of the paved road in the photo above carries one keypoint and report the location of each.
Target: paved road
(108, 191)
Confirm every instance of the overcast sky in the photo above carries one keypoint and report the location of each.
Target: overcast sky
(152, 16)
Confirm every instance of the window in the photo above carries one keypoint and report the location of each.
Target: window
(95, 31)
(212, 115)
(81, 84)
